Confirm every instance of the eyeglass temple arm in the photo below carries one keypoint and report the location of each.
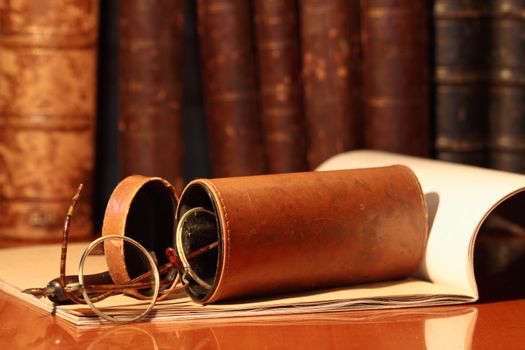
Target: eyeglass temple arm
(65, 234)
(56, 292)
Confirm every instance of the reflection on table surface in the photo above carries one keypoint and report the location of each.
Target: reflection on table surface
(497, 321)
(483, 325)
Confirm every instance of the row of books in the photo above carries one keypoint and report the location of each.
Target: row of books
(286, 85)
(479, 82)
(289, 84)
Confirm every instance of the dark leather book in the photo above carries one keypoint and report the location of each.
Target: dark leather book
(150, 88)
(395, 39)
(331, 77)
(280, 89)
(230, 87)
(47, 116)
(507, 85)
(355, 73)
(461, 49)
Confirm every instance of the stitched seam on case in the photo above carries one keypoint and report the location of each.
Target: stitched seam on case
(421, 196)
(422, 199)
(227, 229)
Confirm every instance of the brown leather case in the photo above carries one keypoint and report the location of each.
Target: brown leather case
(304, 231)
(48, 56)
(150, 87)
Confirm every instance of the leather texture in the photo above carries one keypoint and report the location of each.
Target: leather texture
(396, 76)
(230, 87)
(506, 112)
(150, 88)
(279, 73)
(461, 70)
(331, 75)
(48, 64)
(302, 231)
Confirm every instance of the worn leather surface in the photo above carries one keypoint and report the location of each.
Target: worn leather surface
(150, 88)
(303, 231)
(279, 71)
(142, 208)
(47, 115)
(331, 76)
(506, 117)
(396, 80)
(230, 87)
(461, 71)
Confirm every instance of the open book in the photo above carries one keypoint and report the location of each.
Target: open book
(459, 199)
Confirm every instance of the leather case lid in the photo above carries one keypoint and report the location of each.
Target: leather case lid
(142, 208)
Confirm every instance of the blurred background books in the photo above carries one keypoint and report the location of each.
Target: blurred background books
(92, 91)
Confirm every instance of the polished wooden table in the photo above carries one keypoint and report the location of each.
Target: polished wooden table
(495, 324)
(497, 321)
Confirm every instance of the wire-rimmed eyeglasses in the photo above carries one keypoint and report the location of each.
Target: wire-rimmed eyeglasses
(146, 282)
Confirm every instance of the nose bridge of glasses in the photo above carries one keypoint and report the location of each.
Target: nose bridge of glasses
(72, 287)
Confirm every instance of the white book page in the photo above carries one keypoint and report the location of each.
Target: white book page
(458, 197)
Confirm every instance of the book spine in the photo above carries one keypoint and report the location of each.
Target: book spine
(331, 85)
(507, 85)
(47, 116)
(280, 91)
(355, 73)
(150, 88)
(230, 87)
(461, 62)
(395, 39)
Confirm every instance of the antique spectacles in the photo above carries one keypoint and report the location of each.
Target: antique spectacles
(100, 286)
